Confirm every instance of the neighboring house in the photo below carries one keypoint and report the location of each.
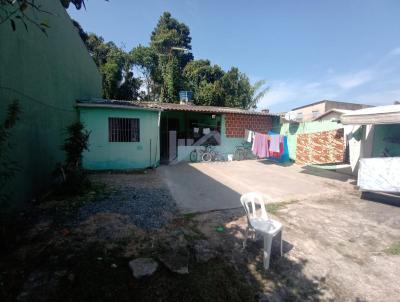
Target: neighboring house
(378, 132)
(311, 111)
(149, 133)
(332, 115)
(46, 73)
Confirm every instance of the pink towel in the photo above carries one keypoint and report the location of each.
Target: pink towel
(260, 145)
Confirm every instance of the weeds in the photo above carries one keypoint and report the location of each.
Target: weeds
(393, 249)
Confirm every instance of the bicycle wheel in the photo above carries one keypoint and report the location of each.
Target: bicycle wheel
(193, 156)
(206, 157)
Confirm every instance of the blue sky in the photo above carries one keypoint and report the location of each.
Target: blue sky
(306, 50)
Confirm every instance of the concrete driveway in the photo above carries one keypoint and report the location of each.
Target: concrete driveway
(202, 187)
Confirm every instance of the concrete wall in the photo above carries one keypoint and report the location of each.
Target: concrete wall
(326, 106)
(308, 111)
(46, 73)
(105, 155)
(292, 130)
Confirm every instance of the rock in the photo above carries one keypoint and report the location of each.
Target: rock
(176, 261)
(203, 251)
(174, 254)
(143, 267)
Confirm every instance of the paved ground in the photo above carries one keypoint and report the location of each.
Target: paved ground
(202, 187)
(335, 249)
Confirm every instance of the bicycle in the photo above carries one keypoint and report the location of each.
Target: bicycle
(243, 151)
(195, 154)
(207, 155)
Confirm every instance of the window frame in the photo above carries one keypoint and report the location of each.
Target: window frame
(123, 130)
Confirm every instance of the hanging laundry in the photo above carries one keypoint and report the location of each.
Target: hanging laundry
(260, 145)
(274, 145)
(248, 135)
(281, 143)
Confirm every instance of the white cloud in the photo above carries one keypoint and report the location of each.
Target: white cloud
(395, 52)
(354, 79)
(377, 84)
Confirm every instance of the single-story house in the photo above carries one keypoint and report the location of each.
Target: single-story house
(332, 115)
(378, 130)
(135, 135)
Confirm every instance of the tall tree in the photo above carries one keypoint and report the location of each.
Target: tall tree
(146, 60)
(170, 41)
(115, 66)
(169, 36)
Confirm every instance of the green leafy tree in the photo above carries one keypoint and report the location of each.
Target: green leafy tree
(146, 60)
(198, 71)
(169, 34)
(172, 80)
(170, 41)
(236, 88)
(115, 66)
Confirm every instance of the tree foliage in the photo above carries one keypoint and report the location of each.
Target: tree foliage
(168, 66)
(115, 66)
(14, 11)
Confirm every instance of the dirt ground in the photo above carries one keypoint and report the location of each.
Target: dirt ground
(335, 248)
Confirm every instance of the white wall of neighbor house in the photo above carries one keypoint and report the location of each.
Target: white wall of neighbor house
(311, 112)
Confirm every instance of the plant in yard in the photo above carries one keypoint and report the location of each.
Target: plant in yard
(73, 177)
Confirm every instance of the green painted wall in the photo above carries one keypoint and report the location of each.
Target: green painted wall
(291, 130)
(105, 155)
(386, 139)
(46, 74)
(228, 144)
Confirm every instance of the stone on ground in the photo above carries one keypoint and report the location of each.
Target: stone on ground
(203, 251)
(143, 267)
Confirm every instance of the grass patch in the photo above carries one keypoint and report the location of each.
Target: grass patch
(274, 207)
(393, 249)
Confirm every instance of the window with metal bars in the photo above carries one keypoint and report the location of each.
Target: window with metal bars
(123, 129)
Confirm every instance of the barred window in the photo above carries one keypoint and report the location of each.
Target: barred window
(123, 129)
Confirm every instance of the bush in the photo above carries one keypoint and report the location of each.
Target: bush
(73, 179)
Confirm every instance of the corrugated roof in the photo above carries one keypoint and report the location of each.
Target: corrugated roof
(172, 107)
(100, 103)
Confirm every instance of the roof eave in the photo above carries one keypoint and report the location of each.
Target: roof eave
(99, 105)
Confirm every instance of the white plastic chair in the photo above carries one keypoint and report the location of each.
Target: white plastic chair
(258, 221)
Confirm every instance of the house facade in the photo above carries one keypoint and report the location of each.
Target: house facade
(165, 133)
(312, 111)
